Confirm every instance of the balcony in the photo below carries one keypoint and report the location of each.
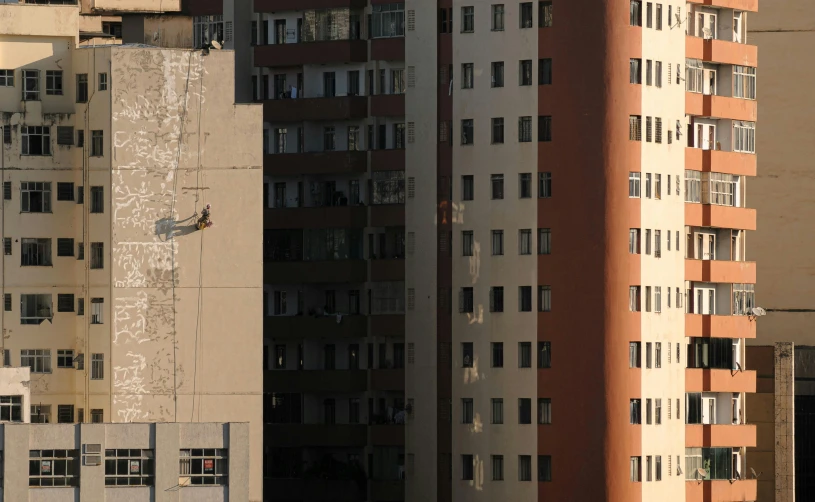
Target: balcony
(388, 325)
(388, 49)
(388, 490)
(303, 381)
(714, 380)
(721, 490)
(315, 109)
(311, 53)
(388, 270)
(388, 160)
(290, 5)
(720, 51)
(311, 490)
(748, 5)
(316, 217)
(717, 161)
(389, 380)
(288, 164)
(739, 272)
(317, 435)
(302, 326)
(388, 435)
(314, 272)
(388, 105)
(708, 215)
(706, 105)
(719, 326)
(720, 436)
(388, 215)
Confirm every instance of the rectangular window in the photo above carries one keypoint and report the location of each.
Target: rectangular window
(36, 252)
(634, 468)
(633, 184)
(97, 308)
(545, 71)
(31, 85)
(657, 186)
(648, 11)
(97, 366)
(657, 244)
(648, 353)
(387, 21)
(658, 75)
(648, 136)
(81, 87)
(11, 408)
(497, 242)
(497, 467)
(658, 410)
(498, 17)
(65, 302)
(525, 185)
(467, 132)
(544, 354)
(497, 354)
(35, 197)
(648, 468)
(658, 139)
(524, 468)
(544, 185)
(634, 241)
(693, 186)
(658, 467)
(65, 136)
(524, 354)
(634, 360)
(128, 467)
(544, 241)
(49, 468)
(647, 185)
(467, 19)
(544, 468)
(525, 299)
(544, 411)
(524, 411)
(103, 81)
(525, 72)
(34, 309)
(53, 82)
(524, 241)
(526, 15)
(6, 78)
(648, 309)
(97, 255)
(97, 142)
(466, 411)
(39, 360)
(497, 299)
(635, 128)
(545, 128)
(657, 299)
(635, 13)
(658, 351)
(497, 74)
(544, 14)
(204, 466)
(544, 298)
(497, 131)
(467, 467)
(648, 71)
(7, 302)
(634, 298)
(467, 243)
(467, 354)
(65, 359)
(466, 75)
(524, 129)
(744, 136)
(648, 411)
(497, 186)
(634, 411)
(497, 411)
(467, 188)
(635, 71)
(744, 82)
(36, 140)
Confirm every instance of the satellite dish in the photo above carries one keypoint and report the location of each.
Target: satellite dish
(753, 472)
(701, 473)
(758, 311)
(216, 45)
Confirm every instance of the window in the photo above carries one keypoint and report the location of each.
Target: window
(97, 307)
(467, 19)
(80, 251)
(544, 185)
(633, 184)
(466, 411)
(544, 354)
(634, 298)
(545, 71)
(658, 458)
(648, 135)
(497, 131)
(648, 409)
(648, 309)
(6, 184)
(497, 411)
(524, 354)
(694, 75)
(35, 197)
(648, 465)
(6, 78)
(97, 142)
(34, 309)
(544, 14)
(744, 82)
(524, 410)
(97, 255)
(525, 129)
(31, 85)
(524, 468)
(525, 241)
(467, 132)
(97, 366)
(657, 409)
(128, 467)
(53, 467)
(525, 72)
(36, 140)
(80, 142)
(634, 241)
(526, 15)
(657, 243)
(80, 306)
(467, 243)
(467, 354)
(648, 71)
(497, 299)
(545, 411)
(635, 71)
(634, 360)
(53, 82)
(11, 408)
(544, 241)
(65, 136)
(39, 360)
(7, 302)
(498, 17)
(353, 138)
(209, 28)
(65, 359)
(635, 128)
(497, 74)
(648, 185)
(693, 186)
(658, 76)
(658, 139)
(525, 185)
(65, 302)
(81, 87)
(634, 468)
(497, 354)
(544, 468)
(497, 467)
(545, 128)
(497, 242)
(36, 252)
(634, 411)
(744, 136)
(497, 186)
(103, 81)
(467, 189)
(387, 20)
(544, 299)
(648, 10)
(635, 13)
(467, 76)
(207, 466)
(658, 351)
(467, 467)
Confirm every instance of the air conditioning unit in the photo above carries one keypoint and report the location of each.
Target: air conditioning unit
(93, 449)
(93, 460)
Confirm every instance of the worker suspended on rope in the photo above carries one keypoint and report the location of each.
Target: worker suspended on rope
(204, 221)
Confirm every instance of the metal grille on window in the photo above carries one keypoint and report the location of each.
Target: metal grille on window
(203, 466)
(65, 135)
(129, 467)
(53, 467)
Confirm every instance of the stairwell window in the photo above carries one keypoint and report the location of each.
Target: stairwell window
(81, 87)
(97, 310)
(97, 366)
(97, 255)
(97, 143)
(31, 85)
(36, 140)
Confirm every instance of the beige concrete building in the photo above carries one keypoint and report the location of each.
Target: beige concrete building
(122, 309)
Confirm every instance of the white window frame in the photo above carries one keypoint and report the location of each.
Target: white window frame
(41, 310)
(6, 78)
(634, 185)
(204, 27)
(744, 136)
(694, 75)
(138, 466)
(388, 20)
(48, 461)
(744, 82)
(97, 366)
(9, 406)
(97, 310)
(193, 462)
(33, 134)
(693, 186)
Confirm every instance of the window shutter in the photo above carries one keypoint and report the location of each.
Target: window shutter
(7, 302)
(411, 132)
(411, 187)
(7, 190)
(443, 242)
(443, 132)
(411, 78)
(411, 356)
(411, 243)
(411, 20)
(228, 31)
(7, 134)
(411, 298)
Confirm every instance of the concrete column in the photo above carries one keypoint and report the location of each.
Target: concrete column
(784, 405)
(238, 444)
(15, 446)
(167, 462)
(92, 477)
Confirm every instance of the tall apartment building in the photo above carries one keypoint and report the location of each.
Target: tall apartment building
(122, 309)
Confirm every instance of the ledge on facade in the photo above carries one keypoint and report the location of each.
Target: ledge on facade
(388, 49)
(748, 5)
(388, 435)
(305, 326)
(719, 380)
(391, 325)
(388, 160)
(317, 435)
(315, 109)
(717, 161)
(719, 326)
(721, 490)
(315, 272)
(311, 53)
(315, 217)
(706, 105)
(720, 435)
(339, 162)
(709, 215)
(736, 272)
(388, 105)
(388, 380)
(304, 381)
(296, 5)
(721, 51)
